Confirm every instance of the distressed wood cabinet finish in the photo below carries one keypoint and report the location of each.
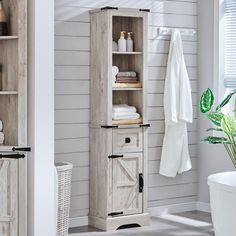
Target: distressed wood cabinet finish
(125, 184)
(13, 113)
(118, 169)
(127, 140)
(8, 198)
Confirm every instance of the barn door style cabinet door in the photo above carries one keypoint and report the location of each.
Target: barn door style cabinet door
(118, 162)
(13, 114)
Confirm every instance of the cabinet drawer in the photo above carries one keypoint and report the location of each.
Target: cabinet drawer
(127, 140)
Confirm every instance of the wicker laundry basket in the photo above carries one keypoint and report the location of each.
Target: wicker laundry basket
(64, 172)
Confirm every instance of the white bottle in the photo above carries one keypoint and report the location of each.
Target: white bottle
(129, 43)
(122, 42)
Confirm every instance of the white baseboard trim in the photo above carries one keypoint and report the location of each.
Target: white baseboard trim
(177, 208)
(78, 221)
(203, 206)
(171, 209)
(154, 211)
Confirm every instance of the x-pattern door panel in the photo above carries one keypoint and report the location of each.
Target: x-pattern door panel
(126, 197)
(8, 197)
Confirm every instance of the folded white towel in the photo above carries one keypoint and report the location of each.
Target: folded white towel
(2, 137)
(127, 74)
(123, 108)
(1, 125)
(115, 70)
(125, 116)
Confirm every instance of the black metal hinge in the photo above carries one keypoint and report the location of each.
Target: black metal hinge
(141, 183)
(21, 149)
(146, 10)
(144, 125)
(109, 126)
(115, 156)
(12, 156)
(109, 8)
(115, 213)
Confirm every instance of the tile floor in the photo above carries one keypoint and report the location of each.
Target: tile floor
(194, 223)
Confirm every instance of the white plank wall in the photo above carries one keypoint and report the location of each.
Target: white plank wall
(72, 95)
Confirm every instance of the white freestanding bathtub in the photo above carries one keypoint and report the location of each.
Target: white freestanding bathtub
(223, 203)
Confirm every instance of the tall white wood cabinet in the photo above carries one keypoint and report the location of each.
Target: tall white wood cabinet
(13, 113)
(118, 162)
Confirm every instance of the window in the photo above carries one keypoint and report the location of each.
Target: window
(230, 43)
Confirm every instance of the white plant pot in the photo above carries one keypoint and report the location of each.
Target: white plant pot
(223, 203)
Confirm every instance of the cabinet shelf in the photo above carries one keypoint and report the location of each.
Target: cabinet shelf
(8, 92)
(127, 122)
(127, 86)
(6, 148)
(8, 37)
(126, 89)
(127, 53)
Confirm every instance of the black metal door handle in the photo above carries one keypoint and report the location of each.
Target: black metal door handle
(127, 140)
(21, 149)
(109, 126)
(145, 125)
(141, 183)
(115, 213)
(115, 156)
(12, 156)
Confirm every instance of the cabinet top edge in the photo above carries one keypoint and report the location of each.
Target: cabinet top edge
(120, 10)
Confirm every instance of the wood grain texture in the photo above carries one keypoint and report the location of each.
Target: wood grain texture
(114, 223)
(72, 26)
(134, 143)
(126, 197)
(9, 198)
(13, 112)
(114, 183)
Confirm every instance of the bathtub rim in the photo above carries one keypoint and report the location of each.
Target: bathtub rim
(219, 185)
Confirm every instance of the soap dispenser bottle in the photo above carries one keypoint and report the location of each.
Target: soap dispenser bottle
(122, 42)
(129, 43)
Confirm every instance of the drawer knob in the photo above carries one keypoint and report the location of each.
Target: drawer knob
(127, 140)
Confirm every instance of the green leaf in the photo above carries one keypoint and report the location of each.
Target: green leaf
(215, 118)
(214, 129)
(225, 101)
(216, 140)
(206, 101)
(228, 124)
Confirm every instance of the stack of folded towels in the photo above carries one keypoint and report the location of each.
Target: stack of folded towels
(124, 112)
(127, 77)
(123, 77)
(1, 133)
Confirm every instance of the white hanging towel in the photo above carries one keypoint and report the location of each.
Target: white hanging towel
(178, 111)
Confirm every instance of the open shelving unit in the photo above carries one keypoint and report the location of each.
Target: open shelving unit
(118, 147)
(131, 94)
(13, 57)
(13, 113)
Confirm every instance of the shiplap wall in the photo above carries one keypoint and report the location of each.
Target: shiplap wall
(72, 81)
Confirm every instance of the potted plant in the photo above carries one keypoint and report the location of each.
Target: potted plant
(222, 185)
